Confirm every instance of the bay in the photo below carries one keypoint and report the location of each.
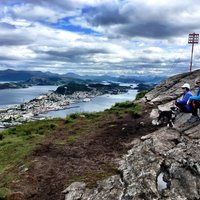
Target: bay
(10, 97)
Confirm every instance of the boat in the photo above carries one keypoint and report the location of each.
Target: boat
(86, 99)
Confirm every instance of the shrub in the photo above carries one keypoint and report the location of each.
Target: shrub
(140, 94)
(126, 104)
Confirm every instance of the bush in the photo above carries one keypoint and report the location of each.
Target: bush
(140, 94)
(134, 111)
(126, 104)
(74, 116)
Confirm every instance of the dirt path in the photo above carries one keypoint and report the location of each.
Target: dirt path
(59, 161)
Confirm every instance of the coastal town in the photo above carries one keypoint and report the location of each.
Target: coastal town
(30, 111)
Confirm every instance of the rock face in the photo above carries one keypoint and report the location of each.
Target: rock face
(162, 165)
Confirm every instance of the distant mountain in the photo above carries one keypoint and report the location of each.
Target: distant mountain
(125, 79)
(12, 75)
(142, 79)
(93, 78)
(52, 80)
(34, 76)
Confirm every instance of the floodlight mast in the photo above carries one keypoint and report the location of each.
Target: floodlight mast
(192, 39)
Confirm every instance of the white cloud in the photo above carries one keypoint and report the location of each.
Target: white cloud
(132, 36)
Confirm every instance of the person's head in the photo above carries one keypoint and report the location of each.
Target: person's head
(186, 86)
(197, 82)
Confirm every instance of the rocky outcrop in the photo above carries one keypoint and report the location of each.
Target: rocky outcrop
(162, 165)
(170, 89)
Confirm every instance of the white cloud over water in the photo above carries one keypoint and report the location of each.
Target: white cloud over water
(117, 37)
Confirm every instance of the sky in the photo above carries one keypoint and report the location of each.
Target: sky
(96, 37)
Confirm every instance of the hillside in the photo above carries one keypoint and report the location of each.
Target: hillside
(46, 156)
(81, 157)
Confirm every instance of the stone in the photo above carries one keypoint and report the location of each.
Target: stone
(74, 191)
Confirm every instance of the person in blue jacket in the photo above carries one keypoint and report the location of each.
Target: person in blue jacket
(182, 103)
(194, 102)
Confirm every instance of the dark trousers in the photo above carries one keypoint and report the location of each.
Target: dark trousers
(182, 107)
(194, 106)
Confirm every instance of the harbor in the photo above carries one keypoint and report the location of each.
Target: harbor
(55, 105)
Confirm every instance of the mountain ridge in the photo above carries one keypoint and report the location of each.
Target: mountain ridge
(23, 75)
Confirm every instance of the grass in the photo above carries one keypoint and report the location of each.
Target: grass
(19, 142)
(126, 107)
(141, 94)
(93, 117)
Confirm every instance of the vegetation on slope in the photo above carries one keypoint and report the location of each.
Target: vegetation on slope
(17, 143)
(58, 146)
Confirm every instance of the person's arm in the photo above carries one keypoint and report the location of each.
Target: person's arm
(197, 97)
(185, 98)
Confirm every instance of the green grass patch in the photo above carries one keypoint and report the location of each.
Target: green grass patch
(73, 118)
(125, 107)
(94, 116)
(3, 185)
(126, 104)
(135, 110)
(19, 142)
(69, 120)
(141, 94)
(3, 192)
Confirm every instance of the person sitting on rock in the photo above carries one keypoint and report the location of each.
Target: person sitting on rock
(194, 102)
(182, 103)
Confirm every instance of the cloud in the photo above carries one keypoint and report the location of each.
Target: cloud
(98, 36)
(149, 19)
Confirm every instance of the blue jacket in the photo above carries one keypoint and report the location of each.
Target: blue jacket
(197, 97)
(187, 95)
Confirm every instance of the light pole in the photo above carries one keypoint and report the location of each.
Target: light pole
(192, 39)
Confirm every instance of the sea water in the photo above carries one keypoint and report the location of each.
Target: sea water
(11, 97)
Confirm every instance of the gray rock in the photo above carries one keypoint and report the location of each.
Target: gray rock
(75, 191)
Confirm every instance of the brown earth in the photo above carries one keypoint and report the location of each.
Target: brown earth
(83, 151)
